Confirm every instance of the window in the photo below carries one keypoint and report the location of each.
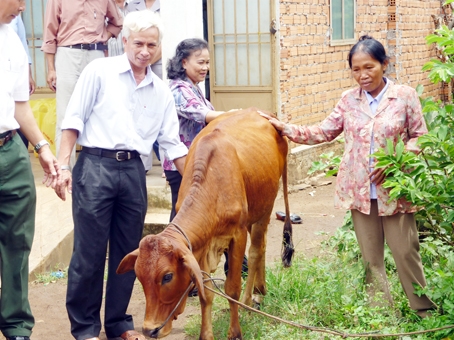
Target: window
(242, 43)
(33, 21)
(343, 18)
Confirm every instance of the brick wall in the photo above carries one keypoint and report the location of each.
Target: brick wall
(314, 74)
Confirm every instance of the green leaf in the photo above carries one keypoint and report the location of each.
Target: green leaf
(390, 146)
(420, 90)
(399, 150)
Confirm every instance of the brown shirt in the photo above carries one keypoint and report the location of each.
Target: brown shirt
(70, 22)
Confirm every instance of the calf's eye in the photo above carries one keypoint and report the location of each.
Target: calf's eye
(167, 278)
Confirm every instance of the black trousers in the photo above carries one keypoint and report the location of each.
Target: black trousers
(174, 178)
(109, 207)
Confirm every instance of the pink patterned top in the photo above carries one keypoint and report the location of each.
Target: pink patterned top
(399, 113)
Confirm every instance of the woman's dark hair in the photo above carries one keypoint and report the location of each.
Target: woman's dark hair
(184, 49)
(370, 46)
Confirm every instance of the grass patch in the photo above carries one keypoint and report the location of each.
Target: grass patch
(329, 292)
(52, 276)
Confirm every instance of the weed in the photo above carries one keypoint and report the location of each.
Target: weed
(52, 276)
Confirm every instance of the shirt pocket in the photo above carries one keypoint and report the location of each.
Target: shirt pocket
(10, 72)
(145, 123)
(95, 16)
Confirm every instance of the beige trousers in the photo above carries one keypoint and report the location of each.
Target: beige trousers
(69, 64)
(401, 235)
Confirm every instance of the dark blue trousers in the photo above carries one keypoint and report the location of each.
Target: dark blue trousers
(174, 178)
(109, 207)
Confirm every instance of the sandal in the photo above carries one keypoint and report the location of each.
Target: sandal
(280, 215)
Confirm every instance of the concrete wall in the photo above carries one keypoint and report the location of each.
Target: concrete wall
(182, 20)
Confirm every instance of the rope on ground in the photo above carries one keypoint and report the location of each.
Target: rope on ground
(313, 328)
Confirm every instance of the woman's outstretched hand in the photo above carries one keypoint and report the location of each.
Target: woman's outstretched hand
(279, 126)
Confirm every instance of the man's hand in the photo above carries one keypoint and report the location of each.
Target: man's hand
(52, 80)
(65, 184)
(52, 172)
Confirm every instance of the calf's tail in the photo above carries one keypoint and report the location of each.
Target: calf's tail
(287, 242)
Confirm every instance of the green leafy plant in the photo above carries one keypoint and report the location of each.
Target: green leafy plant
(425, 179)
(328, 162)
(328, 292)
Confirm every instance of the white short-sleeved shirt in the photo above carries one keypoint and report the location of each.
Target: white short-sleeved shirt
(14, 85)
(111, 111)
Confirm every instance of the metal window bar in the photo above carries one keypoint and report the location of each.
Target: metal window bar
(34, 15)
(343, 19)
(232, 39)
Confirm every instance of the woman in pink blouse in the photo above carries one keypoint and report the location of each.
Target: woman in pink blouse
(368, 115)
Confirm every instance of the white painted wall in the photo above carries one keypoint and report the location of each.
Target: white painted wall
(182, 19)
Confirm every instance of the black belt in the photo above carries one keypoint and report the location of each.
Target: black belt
(5, 137)
(96, 46)
(119, 155)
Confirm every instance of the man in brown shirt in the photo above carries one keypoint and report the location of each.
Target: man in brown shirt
(75, 33)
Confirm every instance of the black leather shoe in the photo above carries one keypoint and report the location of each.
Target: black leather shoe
(18, 338)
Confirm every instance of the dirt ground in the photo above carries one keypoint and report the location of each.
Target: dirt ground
(320, 219)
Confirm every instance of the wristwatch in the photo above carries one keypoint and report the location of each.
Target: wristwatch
(40, 144)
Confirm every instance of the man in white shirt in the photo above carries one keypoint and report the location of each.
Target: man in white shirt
(118, 109)
(17, 186)
(18, 26)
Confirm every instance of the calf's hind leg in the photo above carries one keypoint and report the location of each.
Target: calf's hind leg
(233, 282)
(255, 283)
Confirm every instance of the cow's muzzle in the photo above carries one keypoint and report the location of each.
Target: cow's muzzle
(153, 333)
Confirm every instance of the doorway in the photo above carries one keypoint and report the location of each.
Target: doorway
(242, 54)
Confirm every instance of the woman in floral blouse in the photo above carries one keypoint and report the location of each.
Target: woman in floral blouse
(368, 115)
(186, 70)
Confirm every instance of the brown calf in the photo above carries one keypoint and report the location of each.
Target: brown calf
(229, 186)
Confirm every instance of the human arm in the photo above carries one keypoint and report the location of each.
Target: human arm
(23, 38)
(191, 104)
(212, 115)
(326, 131)
(179, 164)
(51, 74)
(68, 140)
(114, 20)
(32, 84)
(24, 116)
(169, 136)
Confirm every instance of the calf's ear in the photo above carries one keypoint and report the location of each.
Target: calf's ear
(128, 262)
(196, 274)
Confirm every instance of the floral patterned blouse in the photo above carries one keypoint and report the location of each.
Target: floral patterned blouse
(192, 108)
(399, 113)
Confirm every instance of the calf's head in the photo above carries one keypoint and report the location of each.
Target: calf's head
(165, 267)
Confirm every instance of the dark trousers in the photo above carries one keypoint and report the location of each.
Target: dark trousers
(174, 178)
(17, 227)
(156, 150)
(24, 139)
(109, 207)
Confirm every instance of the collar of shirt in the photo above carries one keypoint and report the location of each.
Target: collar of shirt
(373, 102)
(140, 5)
(125, 66)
